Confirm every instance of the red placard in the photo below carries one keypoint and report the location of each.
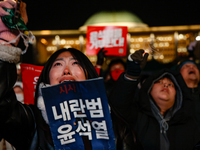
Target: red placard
(112, 38)
(30, 76)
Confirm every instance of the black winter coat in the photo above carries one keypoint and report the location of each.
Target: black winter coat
(182, 130)
(196, 97)
(21, 125)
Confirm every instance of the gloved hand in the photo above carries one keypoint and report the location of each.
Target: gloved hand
(135, 63)
(7, 51)
(100, 56)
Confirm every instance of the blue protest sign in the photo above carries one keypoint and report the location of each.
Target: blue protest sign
(79, 115)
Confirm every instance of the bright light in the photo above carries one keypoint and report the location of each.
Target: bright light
(77, 42)
(132, 51)
(93, 58)
(57, 37)
(45, 32)
(161, 45)
(161, 56)
(169, 38)
(132, 46)
(44, 41)
(155, 44)
(138, 45)
(54, 42)
(155, 57)
(140, 39)
(71, 42)
(62, 42)
(181, 36)
(132, 40)
(166, 44)
(165, 38)
(147, 51)
(182, 50)
(198, 38)
(149, 40)
(67, 46)
(51, 48)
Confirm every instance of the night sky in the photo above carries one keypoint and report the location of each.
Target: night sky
(71, 14)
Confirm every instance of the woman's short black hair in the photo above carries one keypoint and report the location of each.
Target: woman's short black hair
(84, 62)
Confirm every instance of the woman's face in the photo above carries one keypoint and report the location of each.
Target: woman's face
(66, 68)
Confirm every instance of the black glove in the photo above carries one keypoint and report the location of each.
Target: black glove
(100, 56)
(135, 63)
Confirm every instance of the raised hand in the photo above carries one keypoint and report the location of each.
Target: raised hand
(100, 56)
(135, 63)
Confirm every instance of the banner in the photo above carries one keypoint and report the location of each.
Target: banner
(79, 115)
(30, 75)
(112, 38)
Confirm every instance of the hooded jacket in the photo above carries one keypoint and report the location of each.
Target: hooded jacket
(196, 97)
(177, 130)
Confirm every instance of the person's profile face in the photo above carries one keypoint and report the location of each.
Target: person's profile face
(189, 71)
(163, 92)
(66, 68)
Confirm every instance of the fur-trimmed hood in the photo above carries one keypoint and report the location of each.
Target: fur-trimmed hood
(10, 54)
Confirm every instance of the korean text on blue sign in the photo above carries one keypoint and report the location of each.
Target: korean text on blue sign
(79, 115)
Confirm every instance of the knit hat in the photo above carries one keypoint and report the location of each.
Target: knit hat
(185, 62)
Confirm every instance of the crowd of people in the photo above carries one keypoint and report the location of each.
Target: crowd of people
(158, 112)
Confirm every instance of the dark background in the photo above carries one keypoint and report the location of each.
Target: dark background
(71, 14)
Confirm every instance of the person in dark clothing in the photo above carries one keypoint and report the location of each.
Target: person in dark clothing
(190, 73)
(115, 68)
(162, 118)
(26, 126)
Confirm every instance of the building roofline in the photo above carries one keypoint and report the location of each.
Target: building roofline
(130, 30)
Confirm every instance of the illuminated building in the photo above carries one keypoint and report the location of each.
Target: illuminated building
(167, 42)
